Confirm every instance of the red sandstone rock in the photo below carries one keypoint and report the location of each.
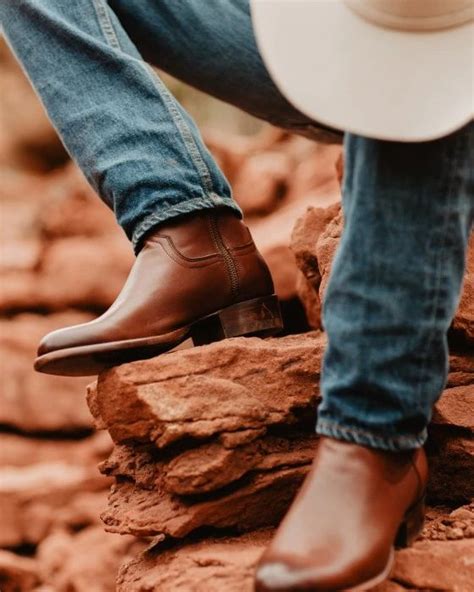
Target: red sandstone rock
(432, 565)
(316, 171)
(464, 319)
(451, 460)
(31, 498)
(260, 501)
(190, 474)
(315, 255)
(440, 527)
(72, 208)
(304, 244)
(151, 493)
(249, 383)
(461, 370)
(455, 408)
(86, 562)
(17, 574)
(262, 182)
(213, 565)
(228, 564)
(38, 402)
(208, 467)
(27, 138)
(273, 237)
(73, 273)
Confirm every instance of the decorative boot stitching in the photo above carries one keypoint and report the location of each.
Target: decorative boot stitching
(226, 254)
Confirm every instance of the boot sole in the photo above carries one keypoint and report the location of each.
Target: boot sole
(257, 317)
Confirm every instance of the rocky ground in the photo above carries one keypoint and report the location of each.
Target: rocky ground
(200, 451)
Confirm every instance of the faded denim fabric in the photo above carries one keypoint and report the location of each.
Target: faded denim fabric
(394, 287)
(135, 144)
(408, 207)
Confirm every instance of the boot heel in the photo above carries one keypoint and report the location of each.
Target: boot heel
(258, 317)
(412, 525)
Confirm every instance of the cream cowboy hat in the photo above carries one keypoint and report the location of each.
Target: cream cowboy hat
(388, 69)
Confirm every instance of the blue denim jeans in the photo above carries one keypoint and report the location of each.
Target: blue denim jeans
(408, 208)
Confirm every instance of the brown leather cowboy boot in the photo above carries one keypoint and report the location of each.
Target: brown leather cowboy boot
(198, 276)
(355, 506)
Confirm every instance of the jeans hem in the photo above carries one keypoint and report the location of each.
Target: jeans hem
(368, 438)
(186, 207)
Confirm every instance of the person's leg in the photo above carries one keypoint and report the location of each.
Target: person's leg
(211, 46)
(198, 273)
(394, 287)
(137, 147)
(392, 294)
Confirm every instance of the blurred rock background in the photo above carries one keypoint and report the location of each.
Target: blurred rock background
(62, 261)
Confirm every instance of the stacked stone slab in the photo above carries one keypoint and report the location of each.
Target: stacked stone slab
(218, 439)
(212, 443)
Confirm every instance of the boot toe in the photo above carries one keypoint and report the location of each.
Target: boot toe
(61, 339)
(278, 575)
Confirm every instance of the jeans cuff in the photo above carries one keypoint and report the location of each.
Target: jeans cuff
(185, 207)
(370, 439)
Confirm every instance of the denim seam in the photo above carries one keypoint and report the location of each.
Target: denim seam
(105, 23)
(334, 429)
(437, 285)
(186, 135)
(185, 207)
(190, 144)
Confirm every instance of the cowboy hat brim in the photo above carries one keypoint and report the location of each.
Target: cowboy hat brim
(352, 75)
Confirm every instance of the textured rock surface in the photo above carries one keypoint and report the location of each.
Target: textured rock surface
(86, 562)
(228, 564)
(32, 498)
(26, 136)
(89, 273)
(251, 387)
(315, 239)
(431, 565)
(17, 574)
(21, 451)
(222, 438)
(213, 565)
(312, 253)
(464, 320)
(223, 430)
(33, 402)
(237, 384)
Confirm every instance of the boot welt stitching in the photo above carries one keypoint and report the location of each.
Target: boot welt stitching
(188, 262)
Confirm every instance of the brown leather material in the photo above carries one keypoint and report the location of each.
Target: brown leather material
(187, 269)
(340, 531)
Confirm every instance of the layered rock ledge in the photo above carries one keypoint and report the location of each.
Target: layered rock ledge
(214, 441)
